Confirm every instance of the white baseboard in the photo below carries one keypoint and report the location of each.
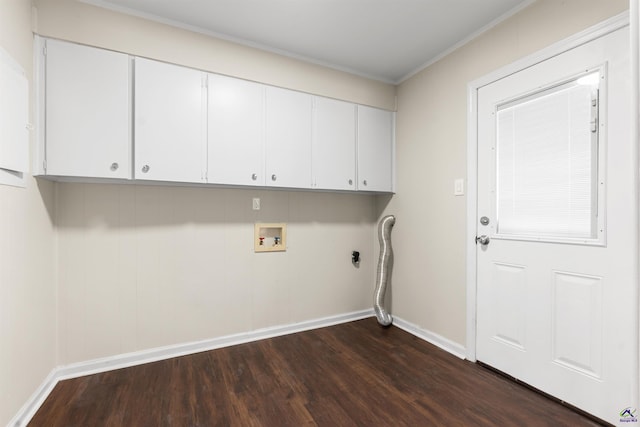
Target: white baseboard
(36, 400)
(454, 348)
(126, 360)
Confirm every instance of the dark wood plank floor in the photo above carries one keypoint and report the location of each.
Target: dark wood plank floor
(354, 374)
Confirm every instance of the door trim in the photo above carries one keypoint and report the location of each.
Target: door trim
(592, 33)
(634, 12)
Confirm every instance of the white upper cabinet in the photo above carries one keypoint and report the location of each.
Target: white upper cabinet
(170, 122)
(375, 149)
(288, 138)
(334, 144)
(103, 114)
(235, 131)
(87, 111)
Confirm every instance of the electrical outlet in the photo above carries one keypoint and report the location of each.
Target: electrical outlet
(256, 204)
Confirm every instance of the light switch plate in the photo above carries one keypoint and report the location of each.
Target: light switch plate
(458, 187)
(256, 204)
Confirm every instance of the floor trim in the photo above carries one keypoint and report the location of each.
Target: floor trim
(36, 400)
(452, 347)
(126, 360)
(161, 353)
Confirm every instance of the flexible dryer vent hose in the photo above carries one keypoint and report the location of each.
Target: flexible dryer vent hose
(385, 265)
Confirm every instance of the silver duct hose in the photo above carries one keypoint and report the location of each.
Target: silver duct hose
(385, 265)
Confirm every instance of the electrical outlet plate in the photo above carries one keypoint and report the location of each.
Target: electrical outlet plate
(274, 237)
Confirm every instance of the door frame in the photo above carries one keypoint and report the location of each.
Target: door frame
(473, 87)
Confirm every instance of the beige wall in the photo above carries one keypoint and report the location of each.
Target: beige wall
(148, 266)
(144, 266)
(75, 21)
(429, 286)
(27, 291)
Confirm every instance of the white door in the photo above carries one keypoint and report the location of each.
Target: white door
(288, 138)
(170, 122)
(236, 131)
(87, 111)
(334, 144)
(555, 280)
(375, 149)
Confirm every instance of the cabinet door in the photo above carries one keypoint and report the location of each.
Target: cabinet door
(375, 149)
(87, 112)
(288, 138)
(236, 131)
(334, 145)
(170, 122)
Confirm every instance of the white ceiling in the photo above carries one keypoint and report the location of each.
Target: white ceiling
(388, 40)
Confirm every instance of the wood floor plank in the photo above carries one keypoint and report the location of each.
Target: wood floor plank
(354, 374)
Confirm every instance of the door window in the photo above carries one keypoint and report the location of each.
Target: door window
(547, 184)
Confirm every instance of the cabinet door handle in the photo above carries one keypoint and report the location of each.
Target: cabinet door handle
(350, 182)
(145, 168)
(254, 177)
(114, 166)
(273, 177)
(364, 182)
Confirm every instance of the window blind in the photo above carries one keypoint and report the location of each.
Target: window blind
(547, 164)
